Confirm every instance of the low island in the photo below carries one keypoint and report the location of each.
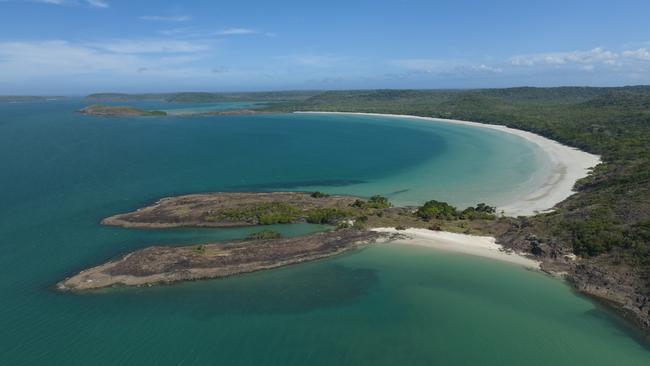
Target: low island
(164, 265)
(118, 111)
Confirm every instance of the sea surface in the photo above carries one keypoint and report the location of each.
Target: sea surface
(62, 172)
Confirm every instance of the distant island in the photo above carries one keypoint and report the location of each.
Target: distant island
(28, 98)
(118, 111)
(202, 97)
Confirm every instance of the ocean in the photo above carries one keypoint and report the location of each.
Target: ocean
(62, 172)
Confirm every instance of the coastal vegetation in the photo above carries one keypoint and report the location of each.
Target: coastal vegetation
(264, 235)
(239, 209)
(377, 202)
(327, 215)
(263, 213)
(443, 211)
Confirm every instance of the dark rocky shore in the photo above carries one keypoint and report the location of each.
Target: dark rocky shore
(237, 209)
(164, 265)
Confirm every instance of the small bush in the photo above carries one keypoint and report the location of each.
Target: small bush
(264, 235)
(376, 201)
(327, 215)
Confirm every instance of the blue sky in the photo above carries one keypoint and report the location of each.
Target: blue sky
(82, 46)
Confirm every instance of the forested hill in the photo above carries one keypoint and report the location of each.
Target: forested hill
(608, 221)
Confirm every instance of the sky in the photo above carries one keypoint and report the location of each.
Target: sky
(76, 47)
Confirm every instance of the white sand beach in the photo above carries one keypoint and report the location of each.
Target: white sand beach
(568, 165)
(480, 246)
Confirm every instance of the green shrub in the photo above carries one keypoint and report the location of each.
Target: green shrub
(327, 215)
(481, 211)
(264, 235)
(375, 201)
(264, 214)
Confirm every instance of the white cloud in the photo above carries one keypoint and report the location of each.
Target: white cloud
(426, 65)
(236, 31)
(54, 2)
(93, 3)
(47, 57)
(175, 18)
(98, 3)
(151, 46)
(439, 66)
(594, 56)
(178, 31)
(312, 60)
(487, 68)
(35, 60)
(641, 54)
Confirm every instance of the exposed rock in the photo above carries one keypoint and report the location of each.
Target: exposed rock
(231, 210)
(163, 265)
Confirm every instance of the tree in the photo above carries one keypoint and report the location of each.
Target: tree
(437, 210)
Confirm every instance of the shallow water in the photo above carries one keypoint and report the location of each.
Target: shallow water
(62, 172)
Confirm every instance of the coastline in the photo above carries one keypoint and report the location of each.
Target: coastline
(568, 165)
(479, 246)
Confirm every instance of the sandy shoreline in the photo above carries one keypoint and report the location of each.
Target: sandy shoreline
(568, 165)
(480, 246)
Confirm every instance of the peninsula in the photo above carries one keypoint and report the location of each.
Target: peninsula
(352, 217)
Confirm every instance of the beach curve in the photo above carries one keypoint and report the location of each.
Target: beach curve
(569, 164)
(474, 245)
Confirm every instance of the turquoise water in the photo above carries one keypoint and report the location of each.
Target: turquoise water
(190, 109)
(62, 172)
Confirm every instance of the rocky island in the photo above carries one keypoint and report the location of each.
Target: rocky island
(263, 250)
(164, 265)
(238, 209)
(118, 111)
